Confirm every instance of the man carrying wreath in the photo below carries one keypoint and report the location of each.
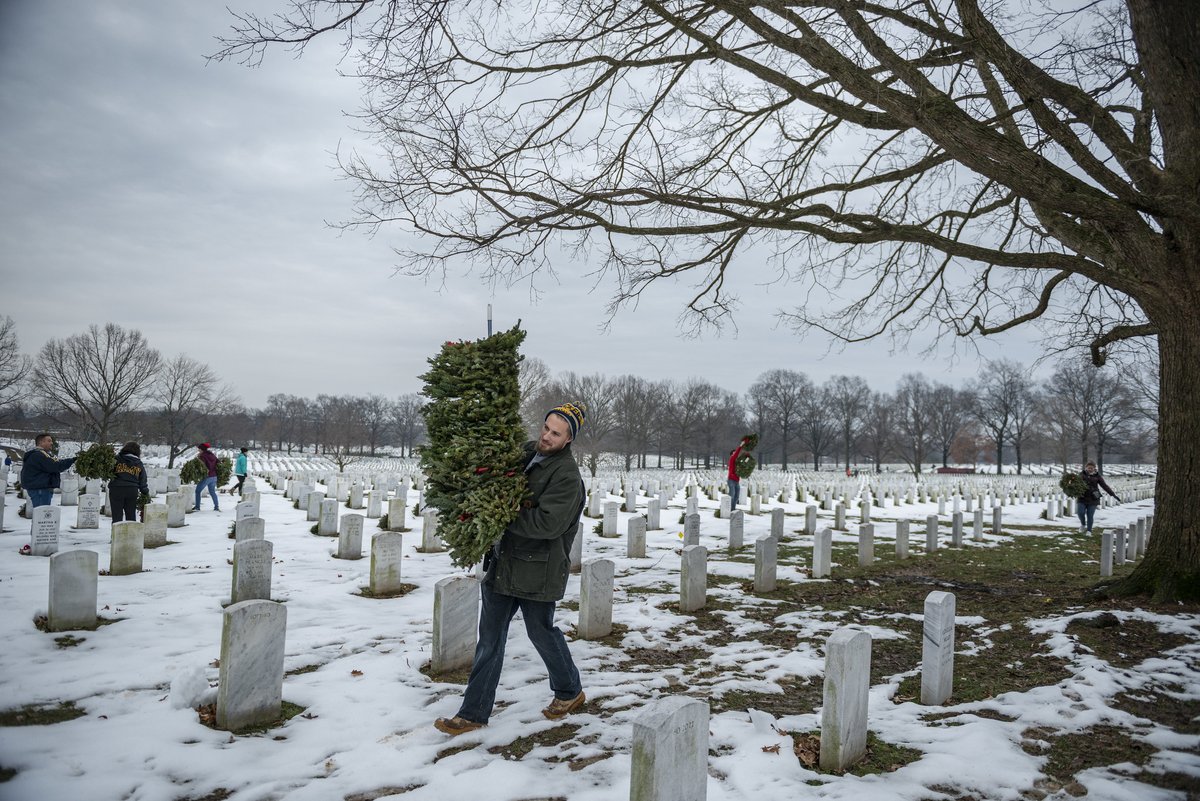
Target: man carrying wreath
(527, 570)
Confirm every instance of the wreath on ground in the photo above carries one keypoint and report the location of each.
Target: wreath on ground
(1073, 485)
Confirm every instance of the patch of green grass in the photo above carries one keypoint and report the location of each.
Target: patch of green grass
(69, 641)
(796, 697)
(459, 676)
(519, 748)
(300, 671)
(219, 794)
(380, 792)
(881, 756)
(405, 589)
(1123, 644)
(1092, 748)
(7, 774)
(40, 715)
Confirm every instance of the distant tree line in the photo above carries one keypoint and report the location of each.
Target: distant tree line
(108, 384)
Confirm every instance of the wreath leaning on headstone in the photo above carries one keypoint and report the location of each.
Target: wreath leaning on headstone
(1073, 485)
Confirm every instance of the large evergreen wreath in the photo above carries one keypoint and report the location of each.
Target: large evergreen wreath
(472, 463)
(194, 471)
(1073, 485)
(744, 465)
(96, 461)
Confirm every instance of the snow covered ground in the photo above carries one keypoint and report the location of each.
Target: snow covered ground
(355, 664)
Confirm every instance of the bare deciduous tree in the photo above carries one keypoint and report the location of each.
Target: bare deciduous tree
(185, 393)
(849, 397)
(407, 422)
(377, 417)
(914, 419)
(14, 365)
(1014, 163)
(998, 395)
(96, 376)
(818, 430)
(951, 413)
(878, 429)
(781, 393)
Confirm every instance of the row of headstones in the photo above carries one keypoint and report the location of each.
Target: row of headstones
(157, 518)
(73, 586)
(1126, 544)
(253, 626)
(670, 742)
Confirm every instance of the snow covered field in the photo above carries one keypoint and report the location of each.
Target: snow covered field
(354, 663)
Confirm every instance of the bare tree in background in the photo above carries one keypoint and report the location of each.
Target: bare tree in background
(185, 393)
(996, 394)
(849, 397)
(816, 425)
(534, 379)
(914, 419)
(1113, 411)
(781, 394)
(1072, 390)
(1024, 418)
(1014, 163)
(637, 406)
(878, 427)
(596, 393)
(951, 413)
(377, 418)
(407, 422)
(97, 377)
(14, 365)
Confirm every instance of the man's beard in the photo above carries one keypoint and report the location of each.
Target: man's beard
(551, 451)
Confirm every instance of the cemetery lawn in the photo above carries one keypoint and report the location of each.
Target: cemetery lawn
(1058, 692)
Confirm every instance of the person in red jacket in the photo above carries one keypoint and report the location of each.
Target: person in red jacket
(735, 484)
(210, 461)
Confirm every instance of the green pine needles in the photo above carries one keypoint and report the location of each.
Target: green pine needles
(473, 460)
(1073, 485)
(745, 464)
(96, 461)
(194, 471)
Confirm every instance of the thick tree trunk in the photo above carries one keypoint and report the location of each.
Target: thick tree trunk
(1171, 567)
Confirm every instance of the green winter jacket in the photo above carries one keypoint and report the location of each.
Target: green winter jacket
(533, 558)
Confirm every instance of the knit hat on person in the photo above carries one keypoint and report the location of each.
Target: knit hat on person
(203, 446)
(572, 413)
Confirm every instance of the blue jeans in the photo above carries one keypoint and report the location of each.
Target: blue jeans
(1086, 514)
(211, 483)
(551, 645)
(735, 487)
(40, 497)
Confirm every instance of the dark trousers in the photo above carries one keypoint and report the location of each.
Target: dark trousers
(123, 503)
(496, 613)
(238, 489)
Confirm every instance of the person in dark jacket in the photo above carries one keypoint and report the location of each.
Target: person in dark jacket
(210, 482)
(1086, 505)
(41, 473)
(128, 483)
(527, 570)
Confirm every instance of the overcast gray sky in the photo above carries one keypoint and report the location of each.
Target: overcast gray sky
(143, 186)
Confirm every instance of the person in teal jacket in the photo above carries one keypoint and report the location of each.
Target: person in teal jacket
(240, 472)
(527, 570)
